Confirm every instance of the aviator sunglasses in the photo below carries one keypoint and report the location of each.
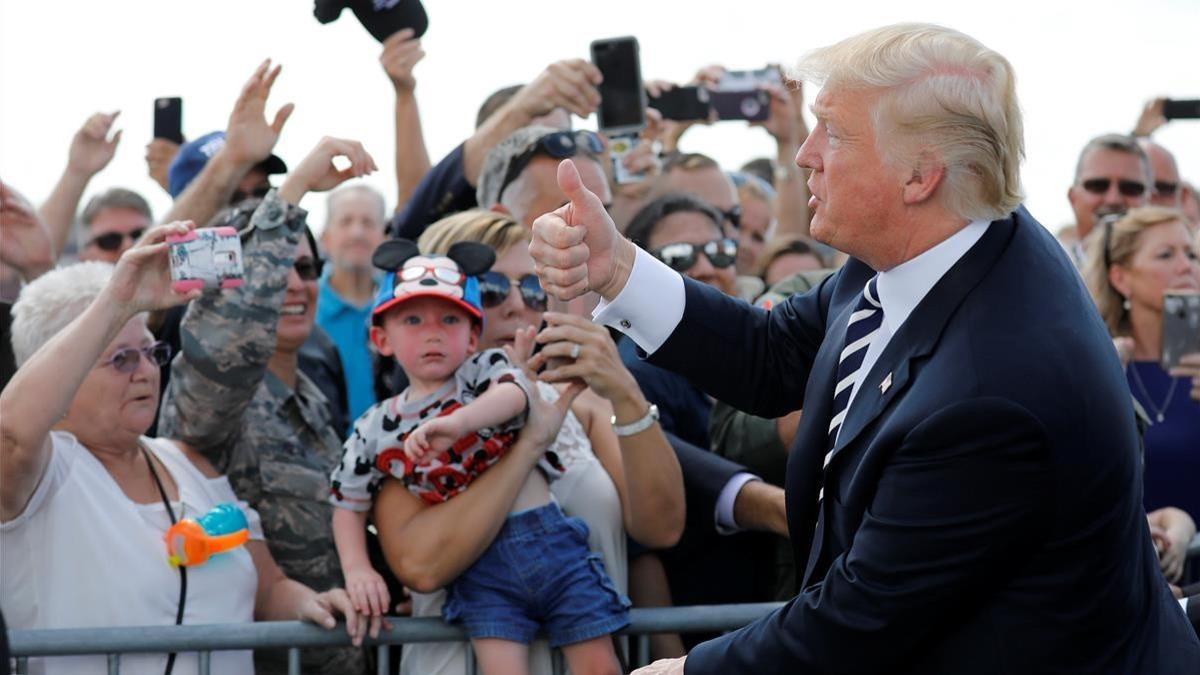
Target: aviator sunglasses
(111, 241)
(127, 360)
(1127, 188)
(682, 256)
(494, 288)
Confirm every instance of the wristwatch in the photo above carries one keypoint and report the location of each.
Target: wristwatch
(638, 426)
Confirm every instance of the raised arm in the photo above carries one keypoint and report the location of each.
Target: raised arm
(227, 337)
(249, 140)
(91, 151)
(787, 126)
(427, 546)
(401, 53)
(42, 389)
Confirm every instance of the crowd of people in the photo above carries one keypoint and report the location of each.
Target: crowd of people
(411, 423)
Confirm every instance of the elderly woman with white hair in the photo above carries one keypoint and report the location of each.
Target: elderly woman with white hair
(85, 497)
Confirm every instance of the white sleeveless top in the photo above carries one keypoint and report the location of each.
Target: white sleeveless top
(82, 554)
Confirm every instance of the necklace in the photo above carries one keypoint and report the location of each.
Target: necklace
(1158, 411)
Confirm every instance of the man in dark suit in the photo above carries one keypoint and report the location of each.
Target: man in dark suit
(964, 492)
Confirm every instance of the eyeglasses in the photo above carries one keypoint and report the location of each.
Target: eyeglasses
(494, 288)
(733, 215)
(682, 256)
(1127, 188)
(443, 274)
(307, 268)
(558, 145)
(127, 360)
(111, 241)
(1165, 189)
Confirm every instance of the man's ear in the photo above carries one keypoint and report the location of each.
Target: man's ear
(379, 339)
(925, 178)
(473, 341)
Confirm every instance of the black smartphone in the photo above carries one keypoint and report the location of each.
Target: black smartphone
(1183, 109)
(1181, 327)
(682, 104)
(168, 119)
(752, 106)
(622, 98)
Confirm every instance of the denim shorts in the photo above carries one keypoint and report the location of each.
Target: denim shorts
(538, 573)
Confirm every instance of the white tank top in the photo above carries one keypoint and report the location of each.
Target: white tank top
(82, 554)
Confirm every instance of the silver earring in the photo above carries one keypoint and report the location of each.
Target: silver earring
(1126, 304)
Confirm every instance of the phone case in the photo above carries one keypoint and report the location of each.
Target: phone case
(1181, 327)
(206, 258)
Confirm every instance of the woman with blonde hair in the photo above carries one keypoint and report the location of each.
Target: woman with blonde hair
(618, 484)
(1133, 261)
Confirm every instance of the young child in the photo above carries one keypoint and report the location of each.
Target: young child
(458, 416)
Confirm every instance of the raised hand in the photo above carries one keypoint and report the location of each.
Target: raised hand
(24, 240)
(159, 154)
(317, 172)
(249, 138)
(569, 84)
(401, 53)
(1151, 118)
(141, 281)
(577, 248)
(91, 148)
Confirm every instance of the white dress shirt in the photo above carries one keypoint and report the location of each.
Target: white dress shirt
(650, 306)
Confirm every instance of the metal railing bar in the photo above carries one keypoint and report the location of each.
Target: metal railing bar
(205, 664)
(114, 664)
(294, 661)
(383, 659)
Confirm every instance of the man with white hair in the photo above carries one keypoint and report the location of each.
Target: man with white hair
(964, 487)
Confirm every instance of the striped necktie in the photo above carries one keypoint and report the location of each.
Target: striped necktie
(864, 324)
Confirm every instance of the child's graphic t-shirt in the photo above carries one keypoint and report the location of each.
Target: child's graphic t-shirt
(375, 448)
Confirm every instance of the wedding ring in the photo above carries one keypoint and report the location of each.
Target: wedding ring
(575, 347)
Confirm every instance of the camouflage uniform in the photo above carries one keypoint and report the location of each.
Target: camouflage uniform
(276, 445)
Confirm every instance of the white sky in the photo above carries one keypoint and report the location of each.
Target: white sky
(1083, 68)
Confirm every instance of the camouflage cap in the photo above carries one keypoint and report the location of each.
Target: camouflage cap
(508, 159)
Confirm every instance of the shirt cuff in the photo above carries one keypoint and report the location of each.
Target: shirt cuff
(724, 517)
(650, 305)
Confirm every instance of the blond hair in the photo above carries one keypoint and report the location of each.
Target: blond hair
(1114, 242)
(495, 229)
(943, 93)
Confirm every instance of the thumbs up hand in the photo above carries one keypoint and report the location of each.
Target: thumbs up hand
(577, 248)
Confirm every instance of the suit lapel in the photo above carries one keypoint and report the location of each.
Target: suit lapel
(920, 332)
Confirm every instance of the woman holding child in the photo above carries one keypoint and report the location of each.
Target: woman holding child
(608, 481)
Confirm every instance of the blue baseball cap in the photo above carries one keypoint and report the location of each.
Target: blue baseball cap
(194, 155)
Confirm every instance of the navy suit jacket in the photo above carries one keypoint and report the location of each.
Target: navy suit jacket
(982, 513)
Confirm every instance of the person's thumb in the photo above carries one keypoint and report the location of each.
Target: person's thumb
(585, 205)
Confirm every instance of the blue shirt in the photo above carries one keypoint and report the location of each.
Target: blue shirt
(1172, 471)
(348, 325)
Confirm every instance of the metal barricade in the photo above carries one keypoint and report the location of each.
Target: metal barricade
(294, 636)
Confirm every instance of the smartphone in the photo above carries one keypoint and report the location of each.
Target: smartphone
(618, 148)
(752, 106)
(168, 119)
(1183, 109)
(744, 80)
(682, 104)
(1181, 326)
(622, 97)
(206, 258)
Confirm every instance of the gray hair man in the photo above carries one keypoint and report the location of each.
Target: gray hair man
(1113, 175)
(113, 220)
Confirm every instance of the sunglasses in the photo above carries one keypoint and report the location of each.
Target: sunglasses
(1127, 188)
(307, 268)
(1165, 189)
(733, 215)
(558, 145)
(111, 241)
(682, 256)
(494, 288)
(127, 360)
(442, 274)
